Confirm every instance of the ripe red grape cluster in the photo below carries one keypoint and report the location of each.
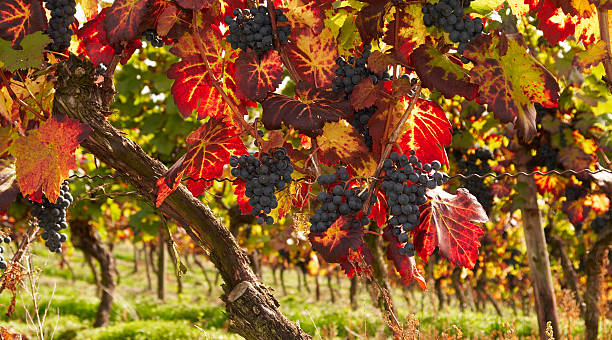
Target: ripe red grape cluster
(360, 122)
(450, 16)
(354, 69)
(252, 28)
(405, 183)
(263, 177)
(337, 199)
(477, 163)
(151, 36)
(3, 264)
(52, 218)
(62, 16)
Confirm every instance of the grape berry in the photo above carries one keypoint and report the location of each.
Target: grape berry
(450, 16)
(3, 264)
(52, 218)
(151, 36)
(338, 200)
(263, 177)
(62, 16)
(350, 72)
(252, 28)
(405, 183)
(360, 122)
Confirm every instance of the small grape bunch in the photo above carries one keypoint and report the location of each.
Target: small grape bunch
(151, 36)
(338, 199)
(449, 15)
(252, 28)
(62, 16)
(405, 183)
(52, 218)
(3, 264)
(263, 177)
(351, 71)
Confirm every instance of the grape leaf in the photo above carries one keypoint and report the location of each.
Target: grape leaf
(379, 62)
(243, 201)
(210, 148)
(357, 261)
(8, 184)
(192, 89)
(90, 8)
(313, 54)
(93, 42)
(405, 265)
(307, 114)
(365, 94)
(378, 210)
(371, 19)
(576, 211)
(19, 18)
(438, 72)
(45, 156)
(30, 56)
(426, 131)
(334, 243)
(168, 17)
(195, 5)
(511, 80)
(593, 55)
(123, 20)
(599, 202)
(340, 142)
(555, 25)
(307, 13)
(411, 34)
(447, 222)
(257, 77)
(551, 184)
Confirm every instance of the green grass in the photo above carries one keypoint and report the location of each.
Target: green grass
(195, 314)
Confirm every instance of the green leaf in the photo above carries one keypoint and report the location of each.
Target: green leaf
(30, 56)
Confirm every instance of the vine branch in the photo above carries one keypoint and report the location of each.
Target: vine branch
(602, 16)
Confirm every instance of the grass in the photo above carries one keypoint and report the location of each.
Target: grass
(195, 314)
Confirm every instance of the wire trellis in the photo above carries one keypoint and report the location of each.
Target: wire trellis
(460, 176)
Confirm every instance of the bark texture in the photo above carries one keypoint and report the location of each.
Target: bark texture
(87, 240)
(252, 310)
(594, 269)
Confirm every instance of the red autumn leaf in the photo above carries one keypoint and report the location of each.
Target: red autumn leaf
(123, 20)
(341, 142)
(168, 17)
(447, 222)
(378, 210)
(599, 202)
(308, 13)
(411, 34)
(256, 77)
(210, 148)
(370, 20)
(313, 53)
(438, 72)
(511, 80)
(365, 94)
(192, 89)
(195, 5)
(426, 131)
(44, 156)
(576, 211)
(357, 261)
(405, 265)
(551, 184)
(560, 19)
(334, 243)
(93, 42)
(19, 18)
(243, 201)
(307, 115)
(555, 25)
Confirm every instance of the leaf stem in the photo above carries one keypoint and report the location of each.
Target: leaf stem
(389, 145)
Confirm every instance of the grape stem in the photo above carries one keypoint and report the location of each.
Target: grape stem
(392, 141)
(281, 49)
(217, 84)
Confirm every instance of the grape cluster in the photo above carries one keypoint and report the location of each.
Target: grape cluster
(405, 182)
(350, 72)
(3, 264)
(338, 200)
(600, 222)
(263, 177)
(477, 163)
(252, 28)
(360, 122)
(62, 16)
(151, 36)
(52, 218)
(450, 16)
(546, 156)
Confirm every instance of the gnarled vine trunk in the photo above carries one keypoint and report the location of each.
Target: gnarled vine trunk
(84, 237)
(252, 310)
(594, 267)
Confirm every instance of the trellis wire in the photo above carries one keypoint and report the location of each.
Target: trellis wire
(461, 176)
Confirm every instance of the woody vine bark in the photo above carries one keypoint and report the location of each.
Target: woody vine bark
(252, 310)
